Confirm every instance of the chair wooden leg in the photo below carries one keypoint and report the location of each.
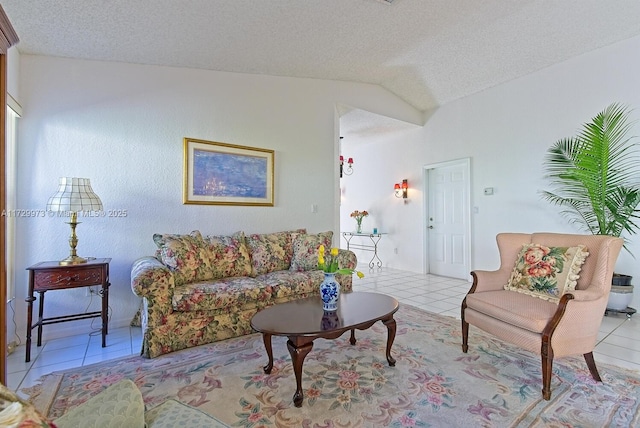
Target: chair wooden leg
(592, 366)
(465, 330)
(465, 336)
(547, 366)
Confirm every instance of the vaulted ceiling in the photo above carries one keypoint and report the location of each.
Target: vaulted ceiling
(427, 52)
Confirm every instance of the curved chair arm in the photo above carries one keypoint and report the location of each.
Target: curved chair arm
(586, 295)
(575, 324)
(575, 302)
(557, 317)
(484, 280)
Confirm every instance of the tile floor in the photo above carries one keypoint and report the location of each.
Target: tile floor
(619, 339)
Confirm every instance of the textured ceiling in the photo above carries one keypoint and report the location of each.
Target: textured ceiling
(428, 52)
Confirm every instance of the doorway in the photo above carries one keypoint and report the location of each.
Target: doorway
(448, 220)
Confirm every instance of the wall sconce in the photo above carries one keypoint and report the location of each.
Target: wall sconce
(346, 170)
(401, 189)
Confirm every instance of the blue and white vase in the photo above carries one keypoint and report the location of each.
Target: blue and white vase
(329, 292)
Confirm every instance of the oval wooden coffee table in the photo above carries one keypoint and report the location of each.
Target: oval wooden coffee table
(302, 321)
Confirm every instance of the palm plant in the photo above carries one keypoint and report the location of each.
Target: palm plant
(595, 175)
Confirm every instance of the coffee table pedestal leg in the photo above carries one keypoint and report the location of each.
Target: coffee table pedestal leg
(391, 335)
(298, 347)
(266, 338)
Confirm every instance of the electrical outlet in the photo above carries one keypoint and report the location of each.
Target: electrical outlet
(11, 347)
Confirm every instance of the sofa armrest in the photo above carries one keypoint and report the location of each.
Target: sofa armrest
(150, 278)
(347, 259)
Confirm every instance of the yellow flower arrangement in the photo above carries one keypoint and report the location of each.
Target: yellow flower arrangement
(329, 264)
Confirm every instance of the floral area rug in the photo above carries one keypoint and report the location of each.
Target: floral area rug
(433, 383)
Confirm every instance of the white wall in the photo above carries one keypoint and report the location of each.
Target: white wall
(123, 126)
(506, 131)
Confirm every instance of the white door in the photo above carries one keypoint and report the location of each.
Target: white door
(448, 219)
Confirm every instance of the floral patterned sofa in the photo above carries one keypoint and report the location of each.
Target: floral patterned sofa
(200, 289)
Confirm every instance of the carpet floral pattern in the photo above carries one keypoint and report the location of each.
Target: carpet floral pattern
(433, 383)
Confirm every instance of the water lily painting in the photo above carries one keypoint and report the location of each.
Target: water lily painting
(227, 174)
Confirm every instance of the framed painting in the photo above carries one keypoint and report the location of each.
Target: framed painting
(227, 174)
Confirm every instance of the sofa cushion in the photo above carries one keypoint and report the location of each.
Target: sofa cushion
(185, 255)
(229, 256)
(547, 272)
(271, 251)
(230, 294)
(242, 293)
(516, 309)
(288, 285)
(305, 250)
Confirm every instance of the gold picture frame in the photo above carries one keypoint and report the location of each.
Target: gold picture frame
(227, 174)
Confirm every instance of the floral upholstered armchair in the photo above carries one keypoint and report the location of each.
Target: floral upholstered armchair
(548, 296)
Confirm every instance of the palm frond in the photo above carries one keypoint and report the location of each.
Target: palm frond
(594, 176)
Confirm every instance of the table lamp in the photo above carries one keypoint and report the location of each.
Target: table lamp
(74, 195)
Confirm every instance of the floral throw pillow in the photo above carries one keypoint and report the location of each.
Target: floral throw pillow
(271, 252)
(547, 272)
(305, 250)
(229, 255)
(185, 256)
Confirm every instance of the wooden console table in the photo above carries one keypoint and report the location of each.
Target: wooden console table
(46, 276)
(375, 238)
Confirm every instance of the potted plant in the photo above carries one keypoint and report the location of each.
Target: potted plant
(594, 176)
